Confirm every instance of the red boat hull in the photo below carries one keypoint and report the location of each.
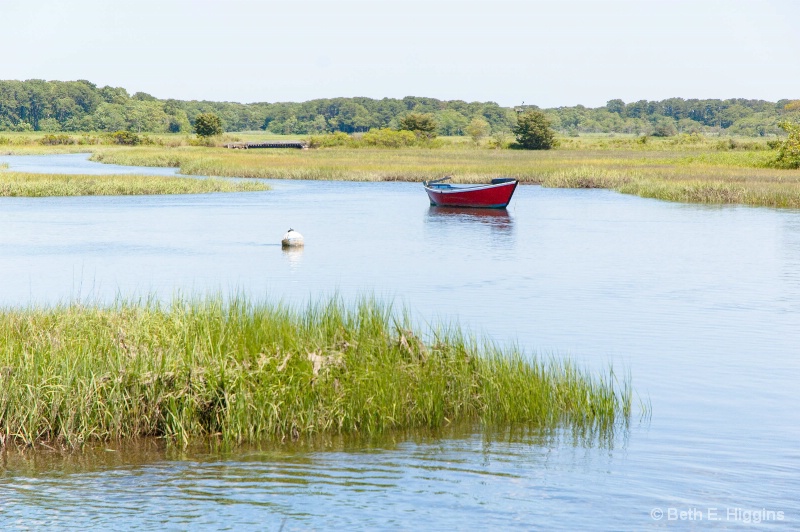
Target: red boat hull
(495, 196)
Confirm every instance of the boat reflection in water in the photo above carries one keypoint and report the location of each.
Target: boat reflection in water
(495, 218)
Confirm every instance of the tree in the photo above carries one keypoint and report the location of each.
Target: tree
(83, 106)
(423, 124)
(143, 115)
(616, 106)
(349, 116)
(290, 125)
(37, 109)
(533, 131)
(477, 129)
(114, 95)
(664, 127)
(793, 105)
(451, 122)
(110, 117)
(143, 96)
(789, 151)
(318, 125)
(178, 121)
(207, 125)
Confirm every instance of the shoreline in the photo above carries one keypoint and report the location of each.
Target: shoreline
(673, 172)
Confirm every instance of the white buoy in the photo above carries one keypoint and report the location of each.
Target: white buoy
(292, 239)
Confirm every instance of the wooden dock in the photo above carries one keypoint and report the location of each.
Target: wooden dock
(296, 144)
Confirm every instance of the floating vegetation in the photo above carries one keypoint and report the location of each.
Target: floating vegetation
(243, 372)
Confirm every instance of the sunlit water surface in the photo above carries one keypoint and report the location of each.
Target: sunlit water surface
(700, 304)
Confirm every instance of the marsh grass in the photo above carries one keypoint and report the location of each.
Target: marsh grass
(41, 185)
(679, 142)
(41, 142)
(688, 168)
(678, 175)
(242, 372)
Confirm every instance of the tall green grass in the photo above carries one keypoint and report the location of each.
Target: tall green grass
(245, 372)
(41, 185)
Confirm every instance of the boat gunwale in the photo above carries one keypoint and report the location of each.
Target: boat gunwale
(450, 189)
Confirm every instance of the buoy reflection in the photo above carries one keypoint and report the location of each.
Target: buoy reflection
(294, 255)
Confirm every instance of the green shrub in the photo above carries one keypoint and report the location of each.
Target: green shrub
(774, 144)
(22, 126)
(388, 138)
(533, 131)
(687, 138)
(330, 141)
(207, 142)
(90, 140)
(54, 140)
(126, 138)
(422, 124)
(499, 141)
(477, 129)
(741, 145)
(665, 128)
(207, 125)
(789, 150)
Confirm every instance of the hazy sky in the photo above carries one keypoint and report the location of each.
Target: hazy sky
(560, 52)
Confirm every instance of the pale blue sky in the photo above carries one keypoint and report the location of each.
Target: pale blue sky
(545, 53)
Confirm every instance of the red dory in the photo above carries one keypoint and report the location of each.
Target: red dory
(494, 195)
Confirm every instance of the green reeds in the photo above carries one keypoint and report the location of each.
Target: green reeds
(246, 372)
(40, 185)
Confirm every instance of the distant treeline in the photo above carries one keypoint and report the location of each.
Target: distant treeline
(54, 106)
(736, 116)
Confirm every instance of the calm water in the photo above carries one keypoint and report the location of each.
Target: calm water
(700, 304)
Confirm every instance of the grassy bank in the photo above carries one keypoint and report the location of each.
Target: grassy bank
(687, 168)
(671, 172)
(41, 185)
(245, 372)
(551, 168)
